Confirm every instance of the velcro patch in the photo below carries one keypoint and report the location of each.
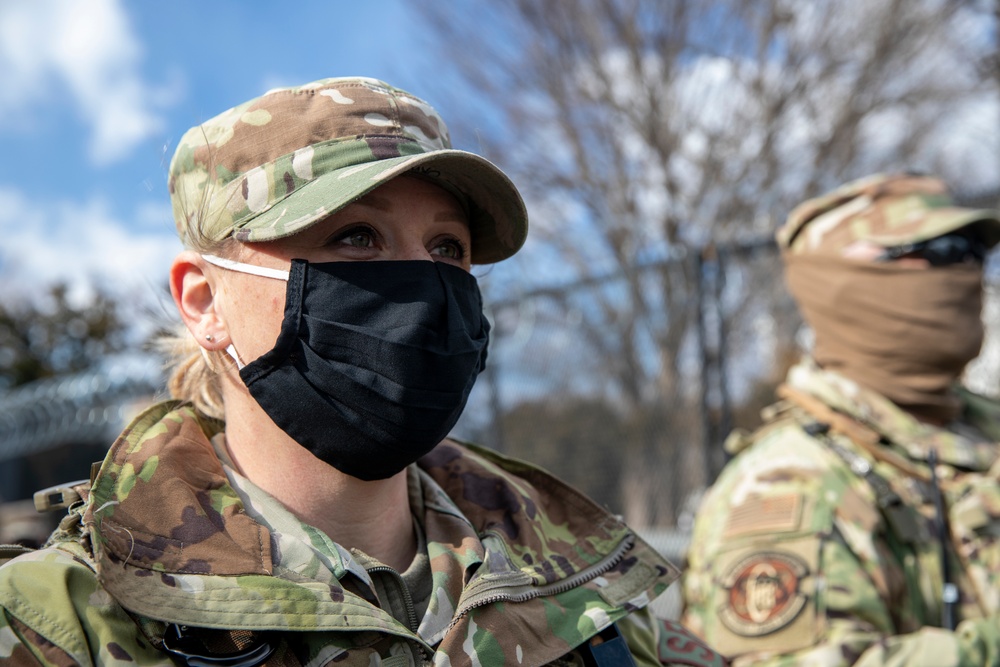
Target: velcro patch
(770, 514)
(763, 593)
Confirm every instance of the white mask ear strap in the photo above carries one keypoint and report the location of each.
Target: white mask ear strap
(231, 351)
(252, 269)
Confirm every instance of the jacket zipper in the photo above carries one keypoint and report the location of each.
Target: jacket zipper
(531, 591)
(411, 613)
(422, 649)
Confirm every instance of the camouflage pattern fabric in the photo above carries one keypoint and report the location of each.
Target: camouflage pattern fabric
(275, 165)
(524, 569)
(885, 209)
(794, 563)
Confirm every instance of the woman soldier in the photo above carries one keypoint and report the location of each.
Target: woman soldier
(298, 502)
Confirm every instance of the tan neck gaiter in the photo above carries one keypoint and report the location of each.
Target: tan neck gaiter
(904, 332)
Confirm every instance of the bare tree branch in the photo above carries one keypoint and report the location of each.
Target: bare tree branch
(642, 130)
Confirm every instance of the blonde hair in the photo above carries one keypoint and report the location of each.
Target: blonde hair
(194, 373)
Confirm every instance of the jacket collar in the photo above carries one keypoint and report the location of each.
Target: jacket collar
(167, 526)
(961, 444)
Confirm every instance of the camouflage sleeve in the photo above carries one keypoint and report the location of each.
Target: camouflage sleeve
(54, 613)
(790, 565)
(20, 646)
(654, 641)
(975, 643)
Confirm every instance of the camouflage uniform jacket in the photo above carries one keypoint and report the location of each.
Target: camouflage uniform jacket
(821, 544)
(165, 553)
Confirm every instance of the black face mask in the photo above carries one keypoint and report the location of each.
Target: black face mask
(374, 362)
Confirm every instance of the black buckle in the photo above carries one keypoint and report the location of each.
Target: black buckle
(180, 641)
(607, 649)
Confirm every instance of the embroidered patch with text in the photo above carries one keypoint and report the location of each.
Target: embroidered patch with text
(763, 593)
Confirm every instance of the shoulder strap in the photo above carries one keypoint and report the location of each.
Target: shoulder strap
(899, 517)
(861, 435)
(12, 551)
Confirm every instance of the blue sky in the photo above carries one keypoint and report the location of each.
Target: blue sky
(95, 94)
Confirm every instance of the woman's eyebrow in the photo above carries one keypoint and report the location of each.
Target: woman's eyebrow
(451, 216)
(375, 201)
(382, 203)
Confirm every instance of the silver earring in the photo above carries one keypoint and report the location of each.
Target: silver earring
(209, 338)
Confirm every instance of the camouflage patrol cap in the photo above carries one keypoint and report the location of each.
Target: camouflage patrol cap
(275, 165)
(886, 209)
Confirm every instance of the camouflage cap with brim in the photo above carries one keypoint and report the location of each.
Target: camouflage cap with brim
(886, 209)
(276, 165)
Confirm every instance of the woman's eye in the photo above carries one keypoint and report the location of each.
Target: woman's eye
(357, 238)
(451, 249)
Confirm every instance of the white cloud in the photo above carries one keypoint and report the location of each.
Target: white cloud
(55, 52)
(82, 244)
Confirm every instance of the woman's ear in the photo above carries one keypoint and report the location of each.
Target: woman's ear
(194, 292)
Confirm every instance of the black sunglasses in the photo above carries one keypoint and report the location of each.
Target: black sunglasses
(940, 251)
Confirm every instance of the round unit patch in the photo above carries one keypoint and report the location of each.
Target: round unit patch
(762, 593)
